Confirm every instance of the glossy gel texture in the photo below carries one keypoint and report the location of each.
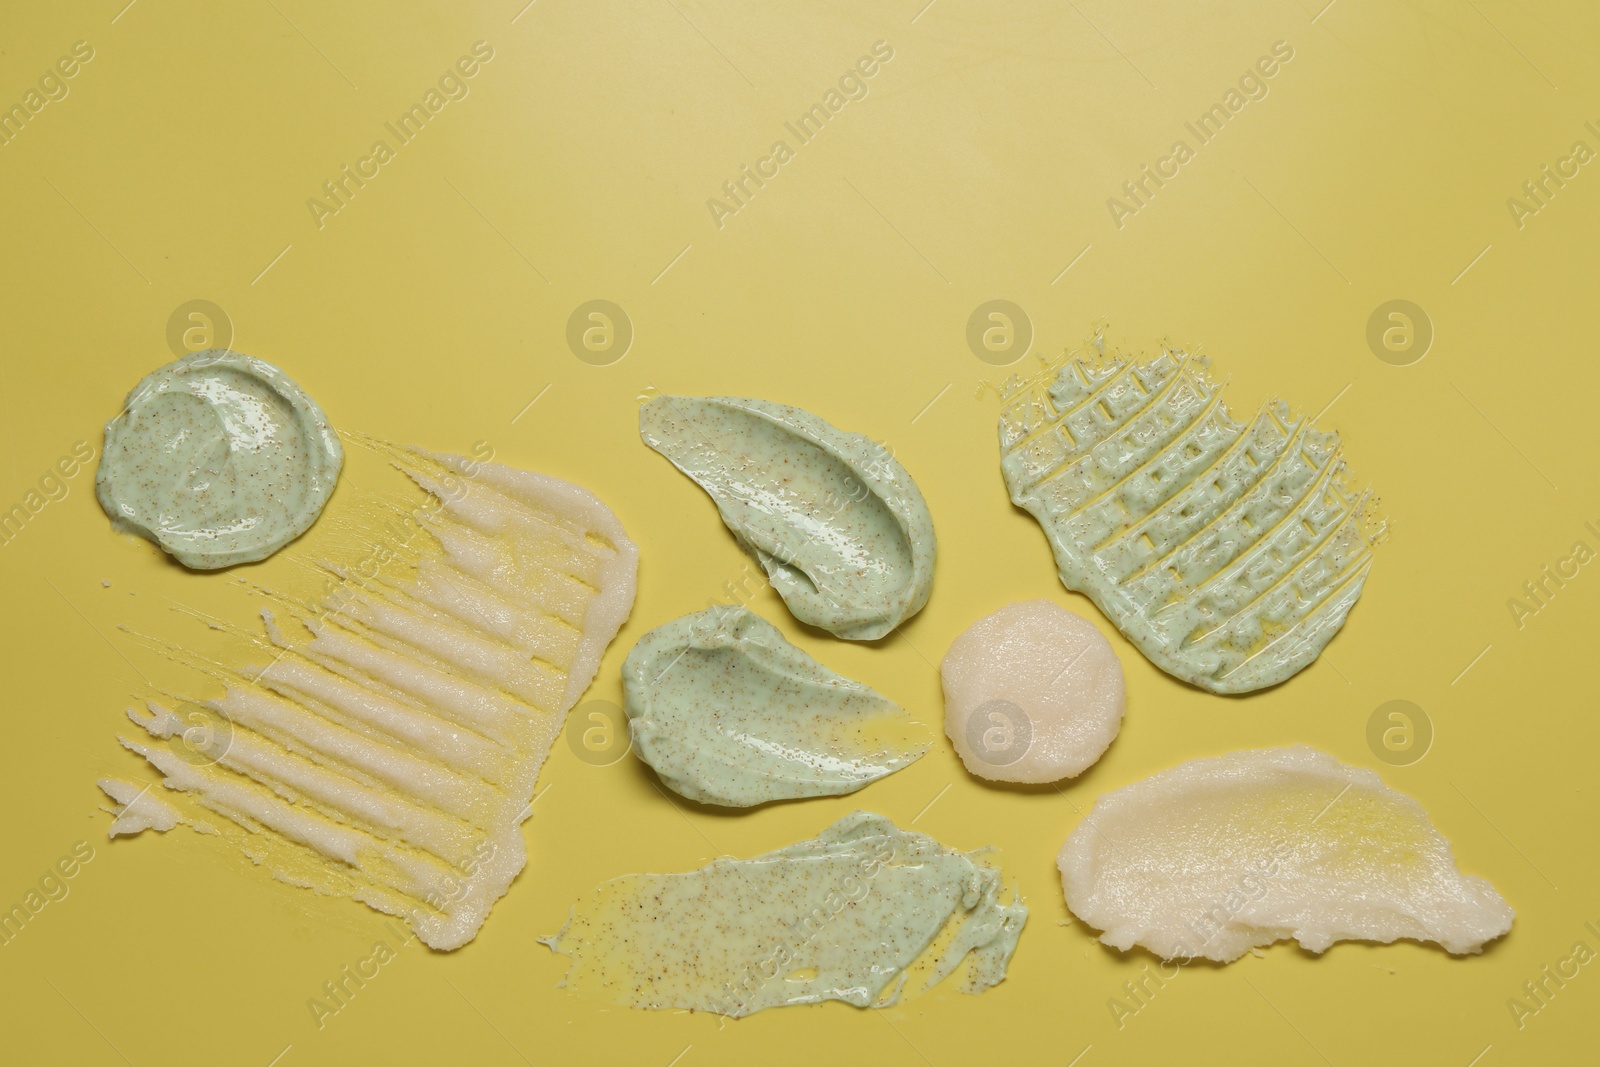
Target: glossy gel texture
(1228, 552)
(839, 917)
(728, 712)
(218, 458)
(1218, 856)
(835, 521)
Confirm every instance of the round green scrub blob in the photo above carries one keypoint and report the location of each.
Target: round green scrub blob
(219, 458)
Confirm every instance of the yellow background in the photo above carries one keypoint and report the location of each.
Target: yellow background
(433, 308)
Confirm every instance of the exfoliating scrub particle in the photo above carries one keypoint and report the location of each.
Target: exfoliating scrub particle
(1032, 693)
(392, 756)
(138, 809)
(840, 917)
(1229, 553)
(1222, 855)
(730, 713)
(836, 522)
(219, 459)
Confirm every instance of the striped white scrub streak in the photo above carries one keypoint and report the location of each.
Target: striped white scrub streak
(1228, 552)
(388, 747)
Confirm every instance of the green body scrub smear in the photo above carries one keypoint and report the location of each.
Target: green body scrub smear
(844, 916)
(730, 713)
(836, 522)
(219, 459)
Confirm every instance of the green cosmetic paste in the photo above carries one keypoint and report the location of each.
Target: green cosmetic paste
(1230, 552)
(838, 525)
(839, 917)
(219, 459)
(730, 713)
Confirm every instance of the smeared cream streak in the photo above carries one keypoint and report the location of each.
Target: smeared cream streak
(392, 755)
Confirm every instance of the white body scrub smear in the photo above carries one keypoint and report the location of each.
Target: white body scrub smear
(1221, 855)
(1032, 693)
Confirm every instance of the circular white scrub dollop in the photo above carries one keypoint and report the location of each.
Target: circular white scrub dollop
(1032, 693)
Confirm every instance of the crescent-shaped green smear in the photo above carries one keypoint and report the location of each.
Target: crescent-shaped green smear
(730, 713)
(838, 917)
(839, 526)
